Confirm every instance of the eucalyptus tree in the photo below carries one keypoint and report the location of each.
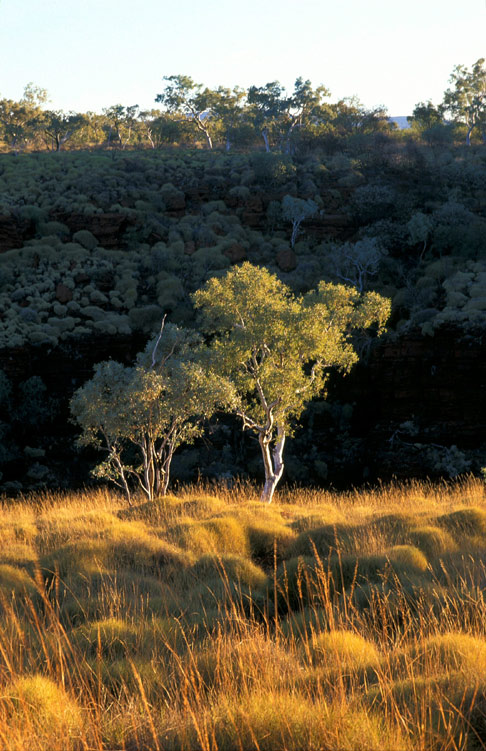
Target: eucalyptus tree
(351, 117)
(18, 120)
(140, 415)
(188, 99)
(121, 122)
(162, 129)
(426, 115)
(92, 131)
(267, 107)
(226, 108)
(428, 122)
(355, 263)
(14, 119)
(277, 348)
(296, 210)
(59, 126)
(305, 106)
(466, 101)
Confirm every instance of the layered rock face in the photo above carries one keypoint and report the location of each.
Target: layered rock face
(439, 380)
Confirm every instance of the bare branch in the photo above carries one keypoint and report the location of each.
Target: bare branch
(154, 351)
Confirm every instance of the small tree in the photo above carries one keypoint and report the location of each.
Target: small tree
(467, 100)
(184, 97)
(121, 122)
(277, 348)
(354, 263)
(267, 105)
(226, 108)
(59, 127)
(426, 115)
(420, 227)
(304, 105)
(140, 415)
(296, 210)
(19, 120)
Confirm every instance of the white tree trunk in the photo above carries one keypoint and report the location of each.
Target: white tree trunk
(273, 463)
(124, 482)
(295, 231)
(265, 139)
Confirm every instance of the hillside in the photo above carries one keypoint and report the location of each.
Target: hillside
(96, 247)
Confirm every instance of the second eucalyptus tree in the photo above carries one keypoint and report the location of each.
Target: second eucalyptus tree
(277, 348)
(140, 415)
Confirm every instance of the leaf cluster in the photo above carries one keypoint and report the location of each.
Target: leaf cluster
(277, 347)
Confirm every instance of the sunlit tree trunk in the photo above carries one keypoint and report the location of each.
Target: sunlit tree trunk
(272, 461)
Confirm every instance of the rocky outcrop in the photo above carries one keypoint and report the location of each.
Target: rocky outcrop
(331, 226)
(253, 214)
(437, 381)
(63, 293)
(13, 232)
(235, 252)
(286, 259)
(108, 228)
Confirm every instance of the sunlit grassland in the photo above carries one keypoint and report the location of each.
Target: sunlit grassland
(208, 621)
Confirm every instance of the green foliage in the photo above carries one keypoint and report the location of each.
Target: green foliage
(277, 347)
(355, 263)
(373, 202)
(35, 406)
(149, 409)
(268, 335)
(297, 210)
(272, 169)
(85, 238)
(466, 102)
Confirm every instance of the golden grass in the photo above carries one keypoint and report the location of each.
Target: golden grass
(39, 714)
(205, 621)
(344, 650)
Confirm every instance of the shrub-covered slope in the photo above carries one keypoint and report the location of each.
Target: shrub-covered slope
(97, 247)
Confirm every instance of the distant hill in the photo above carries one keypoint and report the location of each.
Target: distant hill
(401, 121)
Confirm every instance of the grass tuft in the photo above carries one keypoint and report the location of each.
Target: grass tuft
(344, 651)
(35, 707)
(434, 542)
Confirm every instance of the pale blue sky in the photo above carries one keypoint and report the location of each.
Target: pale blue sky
(90, 54)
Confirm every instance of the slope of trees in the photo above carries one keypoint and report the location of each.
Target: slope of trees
(98, 247)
